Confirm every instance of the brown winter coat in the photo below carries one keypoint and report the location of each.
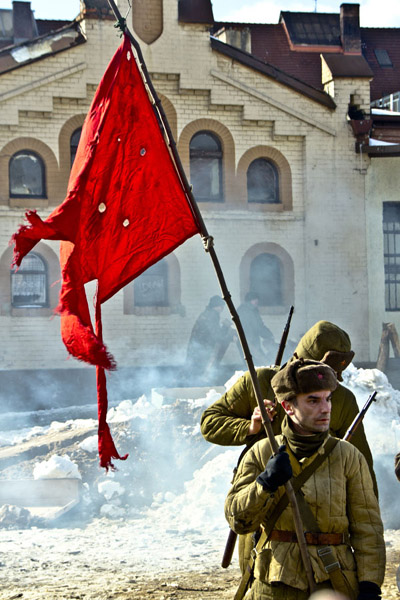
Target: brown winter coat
(340, 494)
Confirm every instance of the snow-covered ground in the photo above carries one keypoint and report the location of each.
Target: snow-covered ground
(163, 513)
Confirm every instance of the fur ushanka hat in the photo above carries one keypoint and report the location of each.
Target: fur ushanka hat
(302, 376)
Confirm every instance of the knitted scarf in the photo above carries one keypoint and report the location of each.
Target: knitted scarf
(302, 446)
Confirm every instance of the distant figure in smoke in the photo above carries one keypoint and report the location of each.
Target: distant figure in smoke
(208, 341)
(256, 331)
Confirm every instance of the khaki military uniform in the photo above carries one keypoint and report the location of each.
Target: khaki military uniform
(341, 496)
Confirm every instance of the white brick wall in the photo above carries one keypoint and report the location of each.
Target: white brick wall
(325, 234)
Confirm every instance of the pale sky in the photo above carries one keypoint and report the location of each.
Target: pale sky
(373, 13)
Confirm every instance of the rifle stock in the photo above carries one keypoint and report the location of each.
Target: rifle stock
(229, 548)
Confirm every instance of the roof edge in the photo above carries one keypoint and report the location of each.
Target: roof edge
(381, 151)
(273, 72)
(9, 63)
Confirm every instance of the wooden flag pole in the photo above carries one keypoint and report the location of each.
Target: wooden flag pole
(208, 243)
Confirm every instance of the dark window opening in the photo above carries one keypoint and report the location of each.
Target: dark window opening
(263, 182)
(266, 279)
(391, 254)
(383, 58)
(29, 285)
(73, 144)
(151, 287)
(206, 167)
(27, 175)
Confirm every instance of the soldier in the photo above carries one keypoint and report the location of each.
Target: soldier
(256, 331)
(337, 502)
(235, 418)
(207, 336)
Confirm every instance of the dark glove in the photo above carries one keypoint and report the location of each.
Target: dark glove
(367, 590)
(277, 471)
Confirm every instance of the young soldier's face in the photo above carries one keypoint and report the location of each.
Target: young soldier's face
(311, 413)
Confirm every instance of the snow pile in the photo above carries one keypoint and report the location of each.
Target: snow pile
(200, 506)
(382, 421)
(57, 467)
(376, 142)
(73, 424)
(210, 397)
(90, 444)
(110, 489)
(131, 409)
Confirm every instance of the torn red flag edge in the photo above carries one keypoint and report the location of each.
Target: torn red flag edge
(125, 209)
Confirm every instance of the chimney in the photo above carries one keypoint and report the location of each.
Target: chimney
(350, 28)
(24, 25)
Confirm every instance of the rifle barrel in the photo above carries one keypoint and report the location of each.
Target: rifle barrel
(284, 337)
(357, 420)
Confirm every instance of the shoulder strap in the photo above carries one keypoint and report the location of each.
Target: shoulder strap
(297, 483)
(326, 553)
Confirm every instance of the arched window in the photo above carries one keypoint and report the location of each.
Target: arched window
(27, 175)
(29, 285)
(266, 279)
(262, 182)
(73, 143)
(151, 287)
(206, 167)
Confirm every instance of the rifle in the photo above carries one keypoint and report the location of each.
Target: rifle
(351, 430)
(232, 536)
(284, 337)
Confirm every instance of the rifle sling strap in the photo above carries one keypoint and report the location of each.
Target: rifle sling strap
(326, 553)
(297, 483)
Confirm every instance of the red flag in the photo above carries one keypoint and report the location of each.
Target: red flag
(125, 209)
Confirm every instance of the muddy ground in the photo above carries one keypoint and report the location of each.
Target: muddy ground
(98, 583)
(209, 585)
(215, 584)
